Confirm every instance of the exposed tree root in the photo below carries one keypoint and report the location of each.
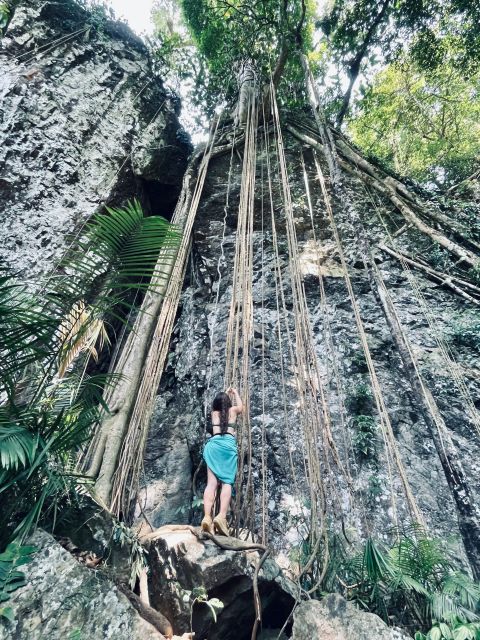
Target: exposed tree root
(154, 617)
(443, 279)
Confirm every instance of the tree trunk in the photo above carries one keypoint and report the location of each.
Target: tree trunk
(356, 63)
(246, 88)
(140, 348)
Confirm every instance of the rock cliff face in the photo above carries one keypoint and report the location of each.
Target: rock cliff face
(84, 122)
(196, 367)
(62, 599)
(336, 619)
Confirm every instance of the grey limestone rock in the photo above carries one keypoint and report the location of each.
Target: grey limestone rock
(179, 563)
(333, 618)
(62, 596)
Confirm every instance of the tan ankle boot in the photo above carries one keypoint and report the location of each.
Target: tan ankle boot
(207, 524)
(220, 525)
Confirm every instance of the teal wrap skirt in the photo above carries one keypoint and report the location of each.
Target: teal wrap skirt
(220, 454)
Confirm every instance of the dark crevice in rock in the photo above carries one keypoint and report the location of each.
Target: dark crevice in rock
(161, 198)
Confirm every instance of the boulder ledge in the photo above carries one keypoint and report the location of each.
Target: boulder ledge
(334, 618)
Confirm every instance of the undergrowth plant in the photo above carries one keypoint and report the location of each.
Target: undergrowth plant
(124, 536)
(4, 14)
(11, 579)
(365, 437)
(412, 582)
(50, 395)
(360, 403)
(464, 331)
(199, 595)
(455, 630)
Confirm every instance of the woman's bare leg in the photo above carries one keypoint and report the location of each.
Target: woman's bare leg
(225, 496)
(209, 494)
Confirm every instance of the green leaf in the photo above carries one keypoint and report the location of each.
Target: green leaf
(200, 593)
(214, 605)
(464, 632)
(434, 634)
(17, 445)
(15, 555)
(7, 612)
(446, 631)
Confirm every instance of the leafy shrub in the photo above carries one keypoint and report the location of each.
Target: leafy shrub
(358, 361)
(124, 536)
(412, 582)
(365, 437)
(456, 630)
(359, 399)
(464, 331)
(49, 408)
(4, 14)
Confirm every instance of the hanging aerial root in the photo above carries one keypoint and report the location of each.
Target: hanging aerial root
(240, 320)
(391, 447)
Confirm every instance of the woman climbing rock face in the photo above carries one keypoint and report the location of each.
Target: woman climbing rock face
(220, 454)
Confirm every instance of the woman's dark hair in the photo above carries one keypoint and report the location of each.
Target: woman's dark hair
(222, 403)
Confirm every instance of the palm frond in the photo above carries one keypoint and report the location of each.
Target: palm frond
(24, 332)
(376, 562)
(459, 584)
(17, 446)
(121, 248)
(79, 332)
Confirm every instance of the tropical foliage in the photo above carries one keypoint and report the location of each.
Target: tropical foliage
(424, 124)
(11, 578)
(51, 400)
(4, 14)
(220, 35)
(413, 583)
(361, 34)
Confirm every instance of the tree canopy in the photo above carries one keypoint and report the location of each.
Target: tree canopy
(426, 124)
(364, 33)
(228, 33)
(416, 65)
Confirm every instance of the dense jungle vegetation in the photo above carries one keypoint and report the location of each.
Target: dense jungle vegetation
(400, 79)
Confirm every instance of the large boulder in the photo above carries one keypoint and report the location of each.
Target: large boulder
(334, 618)
(61, 596)
(181, 563)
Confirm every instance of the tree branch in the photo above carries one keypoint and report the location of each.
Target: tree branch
(354, 66)
(443, 279)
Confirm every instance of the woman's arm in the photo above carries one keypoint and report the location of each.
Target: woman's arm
(237, 401)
